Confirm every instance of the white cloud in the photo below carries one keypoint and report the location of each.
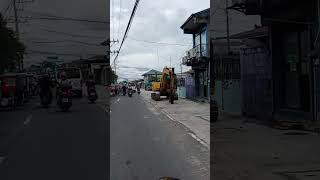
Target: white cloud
(156, 21)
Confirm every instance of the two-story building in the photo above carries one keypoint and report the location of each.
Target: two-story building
(198, 56)
(224, 48)
(292, 39)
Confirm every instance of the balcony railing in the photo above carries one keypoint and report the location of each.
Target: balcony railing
(197, 52)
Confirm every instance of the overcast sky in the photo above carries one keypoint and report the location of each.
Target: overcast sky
(69, 40)
(155, 21)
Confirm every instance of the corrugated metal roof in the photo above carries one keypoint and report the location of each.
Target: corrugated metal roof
(255, 33)
(204, 13)
(152, 72)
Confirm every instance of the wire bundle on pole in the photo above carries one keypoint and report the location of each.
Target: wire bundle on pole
(127, 29)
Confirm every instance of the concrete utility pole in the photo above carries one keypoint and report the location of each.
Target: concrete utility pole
(228, 28)
(16, 18)
(20, 63)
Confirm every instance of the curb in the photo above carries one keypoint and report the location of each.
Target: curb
(190, 131)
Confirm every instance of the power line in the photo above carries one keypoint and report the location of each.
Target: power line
(153, 42)
(119, 18)
(112, 12)
(66, 19)
(5, 10)
(128, 27)
(70, 34)
(54, 53)
(62, 41)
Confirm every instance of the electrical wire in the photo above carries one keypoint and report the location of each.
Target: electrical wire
(55, 17)
(53, 53)
(163, 43)
(63, 41)
(67, 19)
(69, 34)
(5, 10)
(120, 7)
(113, 18)
(128, 28)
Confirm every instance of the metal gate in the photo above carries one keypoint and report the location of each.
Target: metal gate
(256, 82)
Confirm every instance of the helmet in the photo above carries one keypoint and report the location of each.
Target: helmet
(63, 75)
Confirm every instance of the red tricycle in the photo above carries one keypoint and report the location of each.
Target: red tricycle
(13, 89)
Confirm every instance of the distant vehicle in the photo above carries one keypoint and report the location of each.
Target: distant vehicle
(132, 86)
(74, 75)
(130, 91)
(92, 95)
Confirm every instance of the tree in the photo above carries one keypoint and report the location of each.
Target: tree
(11, 49)
(114, 77)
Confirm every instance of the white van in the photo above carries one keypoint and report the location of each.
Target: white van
(74, 75)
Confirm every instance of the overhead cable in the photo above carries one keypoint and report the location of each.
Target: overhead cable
(128, 28)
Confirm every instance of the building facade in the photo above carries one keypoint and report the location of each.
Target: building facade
(198, 56)
(225, 67)
(290, 62)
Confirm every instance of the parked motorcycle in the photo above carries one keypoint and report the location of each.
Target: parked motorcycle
(92, 94)
(64, 98)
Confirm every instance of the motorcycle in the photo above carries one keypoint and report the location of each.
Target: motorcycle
(92, 94)
(130, 92)
(45, 97)
(65, 99)
(138, 91)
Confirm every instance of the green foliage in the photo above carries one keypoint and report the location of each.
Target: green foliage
(11, 49)
(114, 77)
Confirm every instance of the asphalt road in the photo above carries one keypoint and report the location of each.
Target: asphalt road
(50, 144)
(146, 145)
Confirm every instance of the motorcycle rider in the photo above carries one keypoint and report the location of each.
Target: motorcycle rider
(63, 83)
(90, 83)
(124, 89)
(45, 86)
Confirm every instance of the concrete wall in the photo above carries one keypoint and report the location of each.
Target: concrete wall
(181, 92)
(231, 97)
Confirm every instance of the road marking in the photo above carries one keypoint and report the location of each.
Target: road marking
(198, 139)
(27, 120)
(118, 99)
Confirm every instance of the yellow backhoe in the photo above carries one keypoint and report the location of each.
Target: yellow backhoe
(166, 87)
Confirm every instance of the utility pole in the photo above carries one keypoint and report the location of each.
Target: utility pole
(20, 63)
(170, 61)
(115, 67)
(16, 18)
(158, 55)
(228, 28)
(181, 69)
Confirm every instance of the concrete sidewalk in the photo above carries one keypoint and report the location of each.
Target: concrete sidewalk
(245, 150)
(193, 115)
